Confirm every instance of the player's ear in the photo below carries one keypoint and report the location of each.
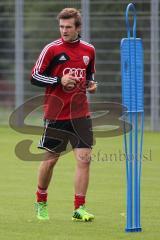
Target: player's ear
(78, 28)
(79, 31)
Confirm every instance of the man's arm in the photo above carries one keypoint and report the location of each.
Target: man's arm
(41, 80)
(91, 84)
(38, 77)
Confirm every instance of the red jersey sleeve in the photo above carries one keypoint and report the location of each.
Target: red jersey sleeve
(39, 77)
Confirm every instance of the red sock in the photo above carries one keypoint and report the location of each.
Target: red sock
(41, 194)
(79, 200)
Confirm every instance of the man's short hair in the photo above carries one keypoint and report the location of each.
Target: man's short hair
(68, 13)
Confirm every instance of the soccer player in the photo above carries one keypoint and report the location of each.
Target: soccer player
(66, 69)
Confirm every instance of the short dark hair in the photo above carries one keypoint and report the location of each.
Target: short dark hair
(68, 13)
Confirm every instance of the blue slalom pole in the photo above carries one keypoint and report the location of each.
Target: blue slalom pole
(132, 97)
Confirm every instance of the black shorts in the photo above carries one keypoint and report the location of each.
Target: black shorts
(58, 133)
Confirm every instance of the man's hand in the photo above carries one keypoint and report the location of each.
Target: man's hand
(92, 87)
(69, 82)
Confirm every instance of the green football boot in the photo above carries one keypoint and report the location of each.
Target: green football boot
(80, 214)
(42, 210)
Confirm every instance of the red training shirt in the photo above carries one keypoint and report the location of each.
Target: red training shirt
(57, 59)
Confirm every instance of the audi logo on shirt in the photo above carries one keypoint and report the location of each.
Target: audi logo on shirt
(76, 72)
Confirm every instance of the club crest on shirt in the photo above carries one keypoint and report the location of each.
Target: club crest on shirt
(86, 60)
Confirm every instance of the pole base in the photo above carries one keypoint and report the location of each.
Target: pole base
(139, 229)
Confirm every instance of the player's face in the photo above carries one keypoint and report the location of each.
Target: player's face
(69, 32)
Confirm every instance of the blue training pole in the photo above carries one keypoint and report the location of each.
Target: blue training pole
(132, 97)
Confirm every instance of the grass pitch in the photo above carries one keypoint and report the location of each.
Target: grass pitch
(106, 194)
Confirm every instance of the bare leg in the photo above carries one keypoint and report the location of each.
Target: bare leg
(83, 157)
(46, 169)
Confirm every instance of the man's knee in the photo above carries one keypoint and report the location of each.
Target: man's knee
(83, 161)
(50, 159)
(83, 157)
